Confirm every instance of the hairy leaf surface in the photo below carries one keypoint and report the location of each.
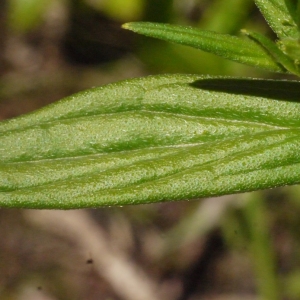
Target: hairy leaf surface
(281, 16)
(158, 138)
(227, 46)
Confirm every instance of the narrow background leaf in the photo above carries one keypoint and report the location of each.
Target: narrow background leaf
(230, 47)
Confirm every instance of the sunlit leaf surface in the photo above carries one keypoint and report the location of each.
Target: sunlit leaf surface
(153, 139)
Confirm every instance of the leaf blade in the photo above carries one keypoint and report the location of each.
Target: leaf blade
(224, 45)
(203, 181)
(250, 141)
(285, 60)
(276, 13)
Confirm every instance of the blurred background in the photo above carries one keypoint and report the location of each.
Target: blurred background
(233, 247)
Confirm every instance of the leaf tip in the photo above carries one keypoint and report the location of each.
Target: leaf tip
(245, 31)
(126, 26)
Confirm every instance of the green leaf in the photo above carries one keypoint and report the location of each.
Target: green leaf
(285, 60)
(158, 138)
(279, 14)
(292, 48)
(230, 47)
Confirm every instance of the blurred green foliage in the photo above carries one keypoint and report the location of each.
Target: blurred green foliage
(157, 56)
(23, 15)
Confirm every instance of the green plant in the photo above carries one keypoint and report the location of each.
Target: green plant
(167, 137)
